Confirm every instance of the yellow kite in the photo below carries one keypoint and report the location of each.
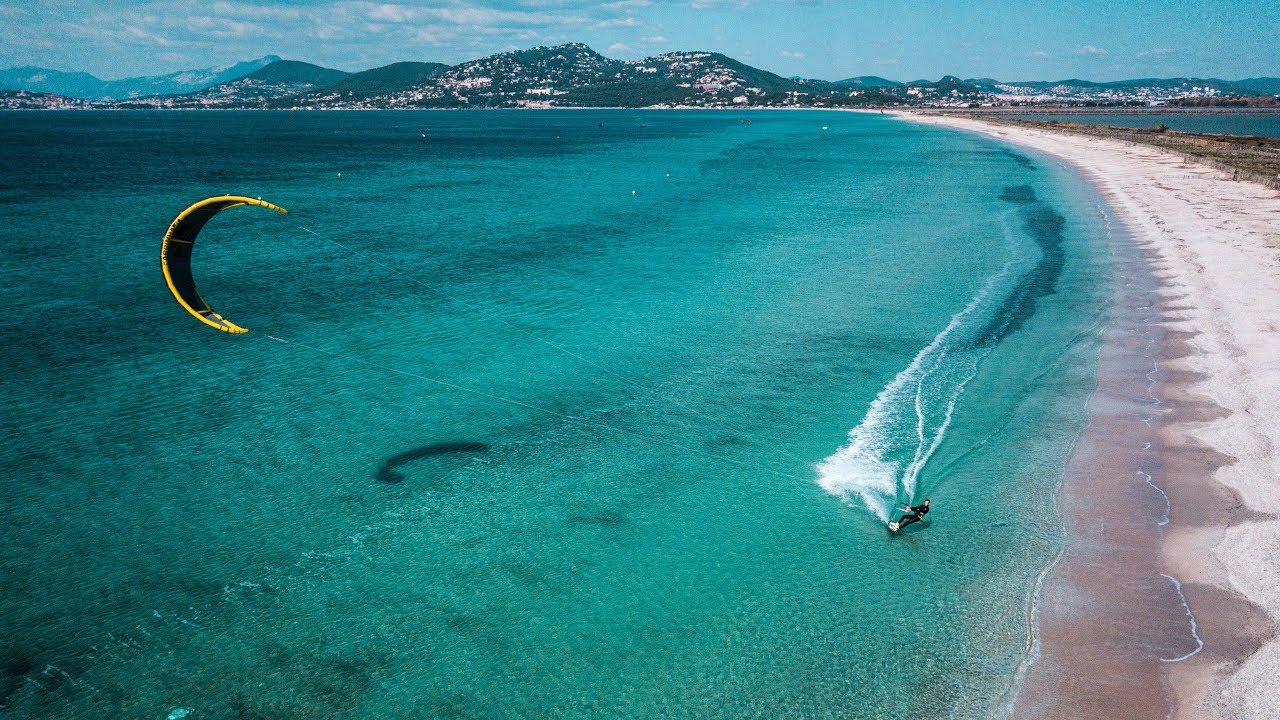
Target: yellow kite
(175, 256)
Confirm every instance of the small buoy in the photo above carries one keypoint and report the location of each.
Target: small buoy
(824, 127)
(339, 174)
(424, 134)
(668, 174)
(633, 192)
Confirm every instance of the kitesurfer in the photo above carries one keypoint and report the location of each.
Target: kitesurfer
(912, 513)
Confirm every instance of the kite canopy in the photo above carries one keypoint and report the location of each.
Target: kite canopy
(175, 256)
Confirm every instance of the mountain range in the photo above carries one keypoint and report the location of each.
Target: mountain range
(83, 86)
(570, 75)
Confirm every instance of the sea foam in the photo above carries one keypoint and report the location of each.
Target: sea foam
(882, 461)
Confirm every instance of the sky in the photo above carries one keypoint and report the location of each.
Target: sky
(827, 39)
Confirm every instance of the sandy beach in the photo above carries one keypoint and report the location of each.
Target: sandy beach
(1165, 608)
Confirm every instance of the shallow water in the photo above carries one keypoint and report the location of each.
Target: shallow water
(572, 414)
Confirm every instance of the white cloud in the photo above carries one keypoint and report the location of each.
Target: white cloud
(625, 21)
(1039, 54)
(1158, 52)
(488, 17)
(255, 11)
(116, 38)
(433, 36)
(1091, 50)
(619, 48)
(791, 54)
(351, 30)
(391, 13)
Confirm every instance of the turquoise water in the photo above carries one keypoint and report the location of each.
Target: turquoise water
(560, 414)
(1264, 124)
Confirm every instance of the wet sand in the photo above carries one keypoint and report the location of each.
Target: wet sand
(1162, 602)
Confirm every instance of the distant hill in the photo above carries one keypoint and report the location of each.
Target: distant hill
(949, 87)
(87, 87)
(184, 81)
(536, 75)
(867, 81)
(294, 72)
(1261, 85)
(44, 80)
(1180, 84)
(359, 89)
(574, 75)
(260, 88)
(1164, 85)
(684, 78)
(570, 75)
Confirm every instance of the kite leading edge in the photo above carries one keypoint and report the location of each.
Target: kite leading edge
(175, 256)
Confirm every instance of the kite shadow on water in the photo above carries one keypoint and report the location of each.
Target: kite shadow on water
(389, 472)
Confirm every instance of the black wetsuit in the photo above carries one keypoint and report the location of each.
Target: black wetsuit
(914, 514)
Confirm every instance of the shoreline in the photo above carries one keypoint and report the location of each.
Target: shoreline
(1162, 603)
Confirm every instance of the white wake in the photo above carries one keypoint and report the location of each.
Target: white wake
(908, 420)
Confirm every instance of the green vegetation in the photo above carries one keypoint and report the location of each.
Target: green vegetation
(369, 85)
(1247, 158)
(868, 81)
(294, 72)
(387, 79)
